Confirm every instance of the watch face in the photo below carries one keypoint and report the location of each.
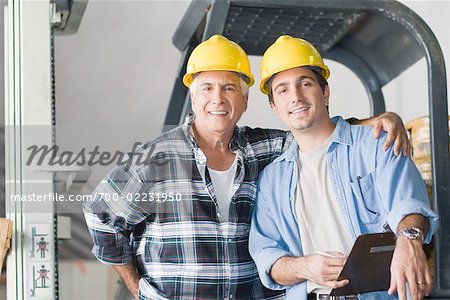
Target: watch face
(412, 233)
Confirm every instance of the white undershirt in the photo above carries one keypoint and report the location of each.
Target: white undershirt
(222, 182)
(321, 222)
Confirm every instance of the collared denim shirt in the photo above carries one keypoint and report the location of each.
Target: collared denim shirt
(375, 189)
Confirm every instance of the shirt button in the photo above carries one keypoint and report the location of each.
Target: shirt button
(218, 215)
(229, 241)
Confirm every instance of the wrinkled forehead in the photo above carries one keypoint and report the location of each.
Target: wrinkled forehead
(221, 77)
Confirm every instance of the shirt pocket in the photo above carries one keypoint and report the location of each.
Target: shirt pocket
(368, 201)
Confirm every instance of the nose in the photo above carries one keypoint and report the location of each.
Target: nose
(297, 96)
(218, 96)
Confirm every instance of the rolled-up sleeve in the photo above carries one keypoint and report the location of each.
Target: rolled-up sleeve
(111, 244)
(402, 189)
(266, 245)
(111, 218)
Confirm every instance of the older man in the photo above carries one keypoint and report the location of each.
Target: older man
(333, 183)
(196, 246)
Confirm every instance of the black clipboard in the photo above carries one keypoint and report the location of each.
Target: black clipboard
(368, 265)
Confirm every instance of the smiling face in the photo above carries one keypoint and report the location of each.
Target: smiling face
(217, 101)
(298, 99)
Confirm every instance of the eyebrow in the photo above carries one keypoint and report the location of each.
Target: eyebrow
(281, 84)
(299, 78)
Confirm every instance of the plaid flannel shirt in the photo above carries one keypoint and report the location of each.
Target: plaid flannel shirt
(180, 248)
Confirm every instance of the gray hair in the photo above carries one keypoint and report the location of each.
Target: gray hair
(242, 81)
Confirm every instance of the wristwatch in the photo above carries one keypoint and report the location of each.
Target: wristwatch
(412, 233)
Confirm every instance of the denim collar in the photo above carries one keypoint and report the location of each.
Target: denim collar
(340, 135)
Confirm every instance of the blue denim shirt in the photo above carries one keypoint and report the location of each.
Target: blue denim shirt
(375, 189)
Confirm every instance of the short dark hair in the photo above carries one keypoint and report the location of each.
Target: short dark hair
(317, 73)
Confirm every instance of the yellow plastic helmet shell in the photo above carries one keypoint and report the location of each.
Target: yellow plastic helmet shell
(218, 54)
(287, 53)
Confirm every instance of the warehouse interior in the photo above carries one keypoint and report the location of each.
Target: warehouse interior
(111, 82)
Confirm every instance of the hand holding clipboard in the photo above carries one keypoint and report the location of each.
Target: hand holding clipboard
(368, 265)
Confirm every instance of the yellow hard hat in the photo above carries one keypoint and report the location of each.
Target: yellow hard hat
(218, 54)
(287, 53)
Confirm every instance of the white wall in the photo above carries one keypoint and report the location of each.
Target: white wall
(87, 280)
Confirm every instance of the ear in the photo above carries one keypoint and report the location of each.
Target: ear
(326, 95)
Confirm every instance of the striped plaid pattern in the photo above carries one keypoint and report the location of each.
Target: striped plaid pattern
(180, 248)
